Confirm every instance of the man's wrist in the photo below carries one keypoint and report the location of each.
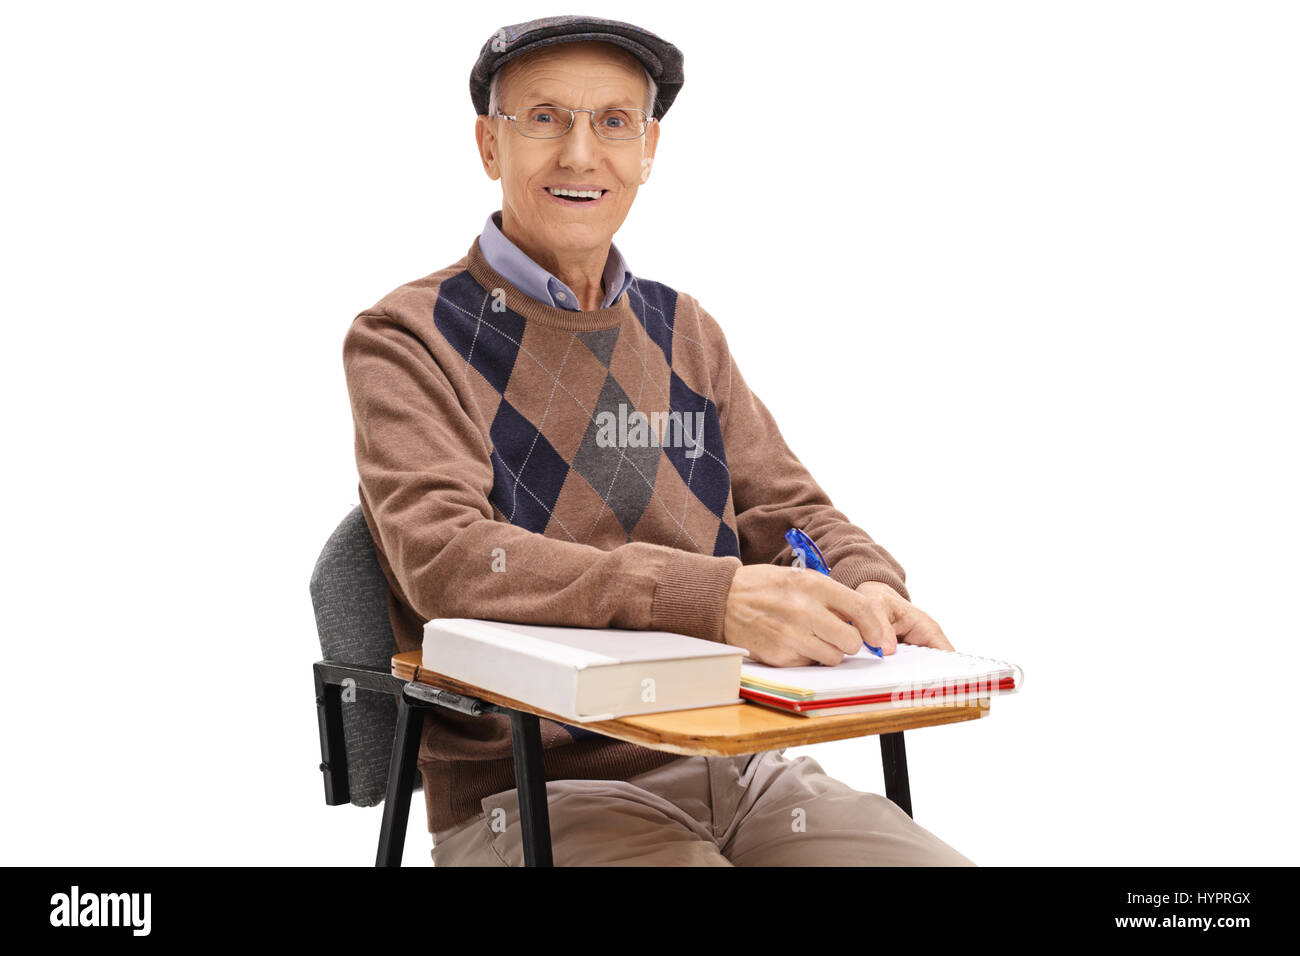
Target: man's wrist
(867, 586)
(855, 573)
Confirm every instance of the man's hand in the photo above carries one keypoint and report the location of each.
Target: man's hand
(790, 617)
(895, 616)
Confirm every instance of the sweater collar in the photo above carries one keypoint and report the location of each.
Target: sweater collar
(536, 311)
(512, 262)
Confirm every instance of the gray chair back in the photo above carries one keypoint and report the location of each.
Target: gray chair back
(350, 597)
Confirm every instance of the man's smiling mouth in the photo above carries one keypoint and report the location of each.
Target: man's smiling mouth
(575, 197)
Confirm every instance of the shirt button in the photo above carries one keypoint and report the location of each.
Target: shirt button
(560, 296)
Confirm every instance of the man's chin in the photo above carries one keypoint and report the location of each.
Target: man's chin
(563, 231)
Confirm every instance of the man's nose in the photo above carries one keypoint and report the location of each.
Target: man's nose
(581, 142)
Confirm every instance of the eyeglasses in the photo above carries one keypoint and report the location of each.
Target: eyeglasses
(552, 122)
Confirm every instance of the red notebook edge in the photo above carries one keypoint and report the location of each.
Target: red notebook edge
(927, 694)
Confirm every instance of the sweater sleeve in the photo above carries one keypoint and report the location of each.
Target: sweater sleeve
(426, 473)
(773, 492)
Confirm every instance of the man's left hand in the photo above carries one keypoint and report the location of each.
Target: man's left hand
(909, 622)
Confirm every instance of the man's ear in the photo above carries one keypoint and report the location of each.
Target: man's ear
(652, 143)
(485, 136)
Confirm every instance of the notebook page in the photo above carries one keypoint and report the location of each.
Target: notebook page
(866, 672)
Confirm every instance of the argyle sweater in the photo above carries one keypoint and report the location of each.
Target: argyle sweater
(520, 462)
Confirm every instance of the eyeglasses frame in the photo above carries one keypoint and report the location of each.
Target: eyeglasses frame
(591, 119)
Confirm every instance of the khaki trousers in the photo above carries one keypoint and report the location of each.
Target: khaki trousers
(753, 810)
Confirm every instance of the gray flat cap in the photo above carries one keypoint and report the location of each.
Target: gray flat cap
(661, 58)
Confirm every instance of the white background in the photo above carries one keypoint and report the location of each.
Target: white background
(1042, 258)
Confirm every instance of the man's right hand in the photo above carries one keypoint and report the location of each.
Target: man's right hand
(790, 617)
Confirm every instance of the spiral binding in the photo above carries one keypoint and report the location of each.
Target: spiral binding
(1019, 671)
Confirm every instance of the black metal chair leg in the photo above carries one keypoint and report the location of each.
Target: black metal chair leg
(401, 779)
(894, 757)
(530, 779)
(333, 755)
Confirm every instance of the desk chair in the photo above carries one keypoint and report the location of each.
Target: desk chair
(370, 720)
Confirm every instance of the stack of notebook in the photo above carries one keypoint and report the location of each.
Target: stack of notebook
(912, 676)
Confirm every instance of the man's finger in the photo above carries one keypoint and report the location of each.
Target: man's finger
(882, 634)
(917, 627)
(820, 649)
(838, 632)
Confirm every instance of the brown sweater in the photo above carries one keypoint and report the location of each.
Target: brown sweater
(512, 467)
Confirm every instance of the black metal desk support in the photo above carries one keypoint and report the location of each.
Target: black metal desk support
(530, 778)
(401, 780)
(894, 757)
(412, 701)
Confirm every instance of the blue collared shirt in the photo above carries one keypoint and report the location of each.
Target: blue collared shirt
(515, 265)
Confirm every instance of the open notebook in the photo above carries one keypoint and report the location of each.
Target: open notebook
(912, 676)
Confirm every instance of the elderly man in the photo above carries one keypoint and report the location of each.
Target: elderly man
(496, 486)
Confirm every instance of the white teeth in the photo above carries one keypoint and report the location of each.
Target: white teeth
(578, 193)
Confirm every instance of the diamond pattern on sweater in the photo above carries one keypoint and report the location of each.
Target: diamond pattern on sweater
(623, 476)
(527, 472)
(601, 342)
(487, 340)
(555, 470)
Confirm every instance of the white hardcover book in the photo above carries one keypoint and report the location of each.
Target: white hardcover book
(585, 674)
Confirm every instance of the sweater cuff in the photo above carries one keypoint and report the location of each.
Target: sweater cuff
(691, 596)
(852, 572)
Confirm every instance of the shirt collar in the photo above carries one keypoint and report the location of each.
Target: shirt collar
(514, 264)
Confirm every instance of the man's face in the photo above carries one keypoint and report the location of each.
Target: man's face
(576, 76)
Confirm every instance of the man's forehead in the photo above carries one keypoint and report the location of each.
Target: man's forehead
(551, 94)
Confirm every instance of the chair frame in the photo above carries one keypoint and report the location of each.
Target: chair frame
(414, 698)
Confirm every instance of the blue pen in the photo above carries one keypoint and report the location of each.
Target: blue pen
(803, 546)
